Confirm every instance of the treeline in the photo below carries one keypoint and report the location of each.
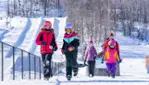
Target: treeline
(34, 8)
(96, 18)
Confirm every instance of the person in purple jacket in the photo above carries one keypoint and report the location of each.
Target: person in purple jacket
(90, 56)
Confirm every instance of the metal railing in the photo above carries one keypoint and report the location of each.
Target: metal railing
(23, 64)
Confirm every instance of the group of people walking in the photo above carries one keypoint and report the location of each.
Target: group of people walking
(46, 39)
(109, 54)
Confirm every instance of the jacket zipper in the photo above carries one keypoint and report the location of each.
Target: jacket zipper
(47, 42)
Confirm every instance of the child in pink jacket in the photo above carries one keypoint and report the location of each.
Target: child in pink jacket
(90, 56)
(111, 57)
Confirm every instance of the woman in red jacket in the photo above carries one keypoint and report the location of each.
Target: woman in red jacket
(46, 39)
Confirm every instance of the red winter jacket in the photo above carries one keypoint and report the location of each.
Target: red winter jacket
(49, 39)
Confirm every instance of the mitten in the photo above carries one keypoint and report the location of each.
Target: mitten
(94, 57)
(102, 61)
(119, 61)
(70, 48)
(84, 62)
(55, 48)
(62, 51)
(43, 43)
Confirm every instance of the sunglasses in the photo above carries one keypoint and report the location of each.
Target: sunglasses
(67, 29)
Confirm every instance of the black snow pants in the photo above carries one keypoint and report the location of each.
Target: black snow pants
(71, 63)
(46, 58)
(91, 67)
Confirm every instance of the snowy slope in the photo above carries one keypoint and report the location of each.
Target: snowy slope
(130, 48)
(59, 30)
(29, 37)
(19, 25)
(14, 37)
(3, 28)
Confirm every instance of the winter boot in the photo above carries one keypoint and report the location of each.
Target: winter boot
(92, 75)
(46, 78)
(113, 76)
(109, 74)
(68, 77)
(75, 74)
(50, 75)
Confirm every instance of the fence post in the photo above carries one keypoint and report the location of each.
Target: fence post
(34, 67)
(29, 66)
(39, 68)
(58, 68)
(22, 63)
(13, 63)
(55, 67)
(2, 61)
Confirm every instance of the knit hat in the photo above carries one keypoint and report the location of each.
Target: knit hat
(68, 26)
(47, 25)
(111, 36)
(112, 42)
(91, 42)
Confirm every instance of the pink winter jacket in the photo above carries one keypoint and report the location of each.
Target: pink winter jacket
(111, 56)
(90, 53)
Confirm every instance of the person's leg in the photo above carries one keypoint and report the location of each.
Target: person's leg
(68, 65)
(113, 69)
(49, 63)
(89, 68)
(44, 64)
(108, 68)
(92, 68)
(74, 63)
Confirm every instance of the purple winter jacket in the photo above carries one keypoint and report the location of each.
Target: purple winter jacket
(90, 53)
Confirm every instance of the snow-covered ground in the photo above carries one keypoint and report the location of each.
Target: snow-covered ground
(133, 53)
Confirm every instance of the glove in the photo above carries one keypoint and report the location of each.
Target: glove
(84, 62)
(62, 51)
(70, 48)
(55, 48)
(102, 61)
(119, 61)
(94, 57)
(43, 43)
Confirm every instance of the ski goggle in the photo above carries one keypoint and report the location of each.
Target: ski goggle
(47, 27)
(68, 30)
